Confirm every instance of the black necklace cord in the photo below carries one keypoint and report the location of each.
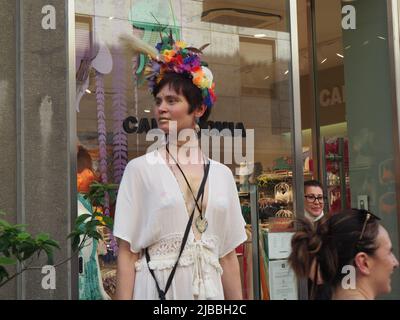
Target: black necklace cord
(187, 182)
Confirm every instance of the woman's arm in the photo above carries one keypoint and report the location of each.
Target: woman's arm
(231, 277)
(125, 271)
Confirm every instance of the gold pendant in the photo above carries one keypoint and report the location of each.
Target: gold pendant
(201, 224)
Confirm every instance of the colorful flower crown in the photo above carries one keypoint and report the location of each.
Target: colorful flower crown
(175, 56)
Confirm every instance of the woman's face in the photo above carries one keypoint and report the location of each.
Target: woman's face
(383, 263)
(314, 208)
(171, 106)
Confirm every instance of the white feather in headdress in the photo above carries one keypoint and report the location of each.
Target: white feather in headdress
(136, 45)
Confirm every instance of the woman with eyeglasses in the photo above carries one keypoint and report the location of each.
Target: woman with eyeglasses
(351, 252)
(314, 200)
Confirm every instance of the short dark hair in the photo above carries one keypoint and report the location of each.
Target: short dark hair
(183, 84)
(313, 183)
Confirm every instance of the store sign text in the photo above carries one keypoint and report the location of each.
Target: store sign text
(332, 97)
(144, 125)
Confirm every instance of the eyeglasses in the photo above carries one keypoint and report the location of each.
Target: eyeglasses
(311, 198)
(368, 216)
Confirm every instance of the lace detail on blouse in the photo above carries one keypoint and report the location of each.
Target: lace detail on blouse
(202, 254)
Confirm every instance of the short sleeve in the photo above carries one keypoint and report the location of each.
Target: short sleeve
(128, 220)
(235, 233)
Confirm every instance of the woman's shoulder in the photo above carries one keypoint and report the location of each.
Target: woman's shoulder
(220, 168)
(145, 161)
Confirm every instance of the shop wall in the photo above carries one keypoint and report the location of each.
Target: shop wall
(369, 115)
(44, 168)
(8, 158)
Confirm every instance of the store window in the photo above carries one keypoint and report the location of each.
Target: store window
(347, 121)
(250, 55)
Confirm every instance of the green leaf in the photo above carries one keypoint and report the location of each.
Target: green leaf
(28, 253)
(82, 218)
(108, 221)
(75, 243)
(95, 235)
(3, 274)
(4, 243)
(50, 256)
(4, 224)
(20, 226)
(73, 234)
(52, 243)
(42, 237)
(23, 236)
(92, 225)
(7, 261)
(97, 214)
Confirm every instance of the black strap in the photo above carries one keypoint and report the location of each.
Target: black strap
(162, 293)
(188, 184)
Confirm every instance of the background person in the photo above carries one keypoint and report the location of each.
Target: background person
(350, 238)
(314, 200)
(90, 279)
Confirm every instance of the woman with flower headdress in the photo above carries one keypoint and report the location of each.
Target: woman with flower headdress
(178, 216)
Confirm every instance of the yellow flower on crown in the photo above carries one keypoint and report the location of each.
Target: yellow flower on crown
(181, 44)
(168, 55)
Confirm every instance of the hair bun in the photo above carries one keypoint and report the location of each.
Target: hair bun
(306, 243)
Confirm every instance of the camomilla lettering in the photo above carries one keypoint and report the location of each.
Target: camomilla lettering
(134, 125)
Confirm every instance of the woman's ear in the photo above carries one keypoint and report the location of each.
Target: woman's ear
(198, 113)
(363, 263)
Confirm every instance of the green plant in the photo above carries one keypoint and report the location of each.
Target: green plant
(86, 225)
(98, 191)
(19, 246)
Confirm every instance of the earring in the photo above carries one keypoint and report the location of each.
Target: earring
(197, 126)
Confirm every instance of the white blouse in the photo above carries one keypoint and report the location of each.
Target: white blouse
(151, 213)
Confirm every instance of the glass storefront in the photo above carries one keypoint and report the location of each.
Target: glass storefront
(249, 53)
(352, 138)
(67, 79)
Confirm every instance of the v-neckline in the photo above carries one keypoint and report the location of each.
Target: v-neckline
(208, 186)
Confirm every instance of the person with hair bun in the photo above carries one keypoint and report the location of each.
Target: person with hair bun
(352, 238)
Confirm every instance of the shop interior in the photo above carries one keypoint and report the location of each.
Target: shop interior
(249, 54)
